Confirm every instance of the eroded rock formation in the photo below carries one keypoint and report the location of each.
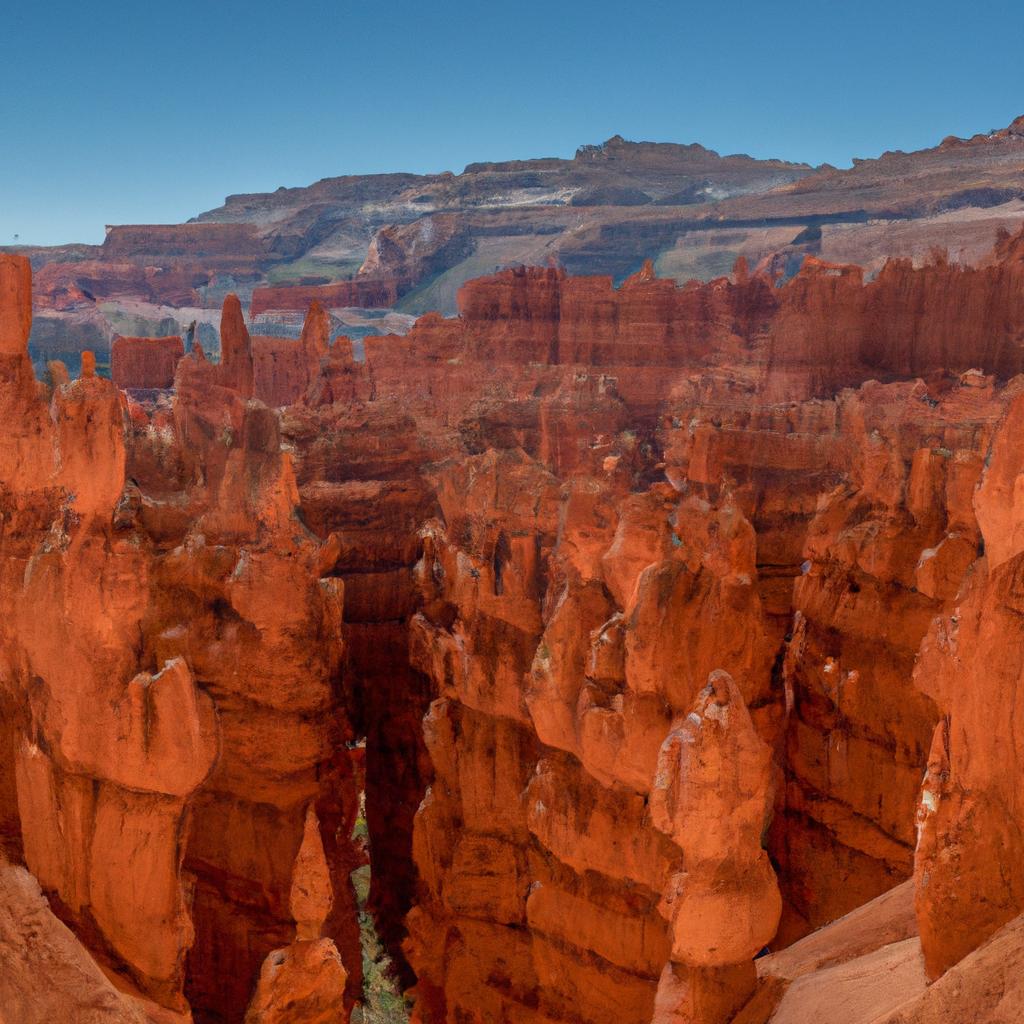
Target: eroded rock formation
(172, 719)
(652, 605)
(145, 362)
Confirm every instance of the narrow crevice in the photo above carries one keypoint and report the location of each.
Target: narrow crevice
(383, 1000)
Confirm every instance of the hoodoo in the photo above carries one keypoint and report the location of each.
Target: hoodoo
(657, 647)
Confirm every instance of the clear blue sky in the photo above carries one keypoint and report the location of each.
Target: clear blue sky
(150, 111)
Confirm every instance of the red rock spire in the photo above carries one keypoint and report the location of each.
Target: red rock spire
(236, 349)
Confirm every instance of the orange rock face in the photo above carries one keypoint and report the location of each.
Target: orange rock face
(167, 725)
(648, 608)
(967, 869)
(145, 362)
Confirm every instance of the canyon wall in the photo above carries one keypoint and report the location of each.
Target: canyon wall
(407, 242)
(652, 607)
(145, 362)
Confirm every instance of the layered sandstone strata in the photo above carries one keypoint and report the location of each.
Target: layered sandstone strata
(362, 292)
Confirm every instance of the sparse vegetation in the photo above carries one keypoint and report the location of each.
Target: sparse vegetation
(383, 1000)
(292, 273)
